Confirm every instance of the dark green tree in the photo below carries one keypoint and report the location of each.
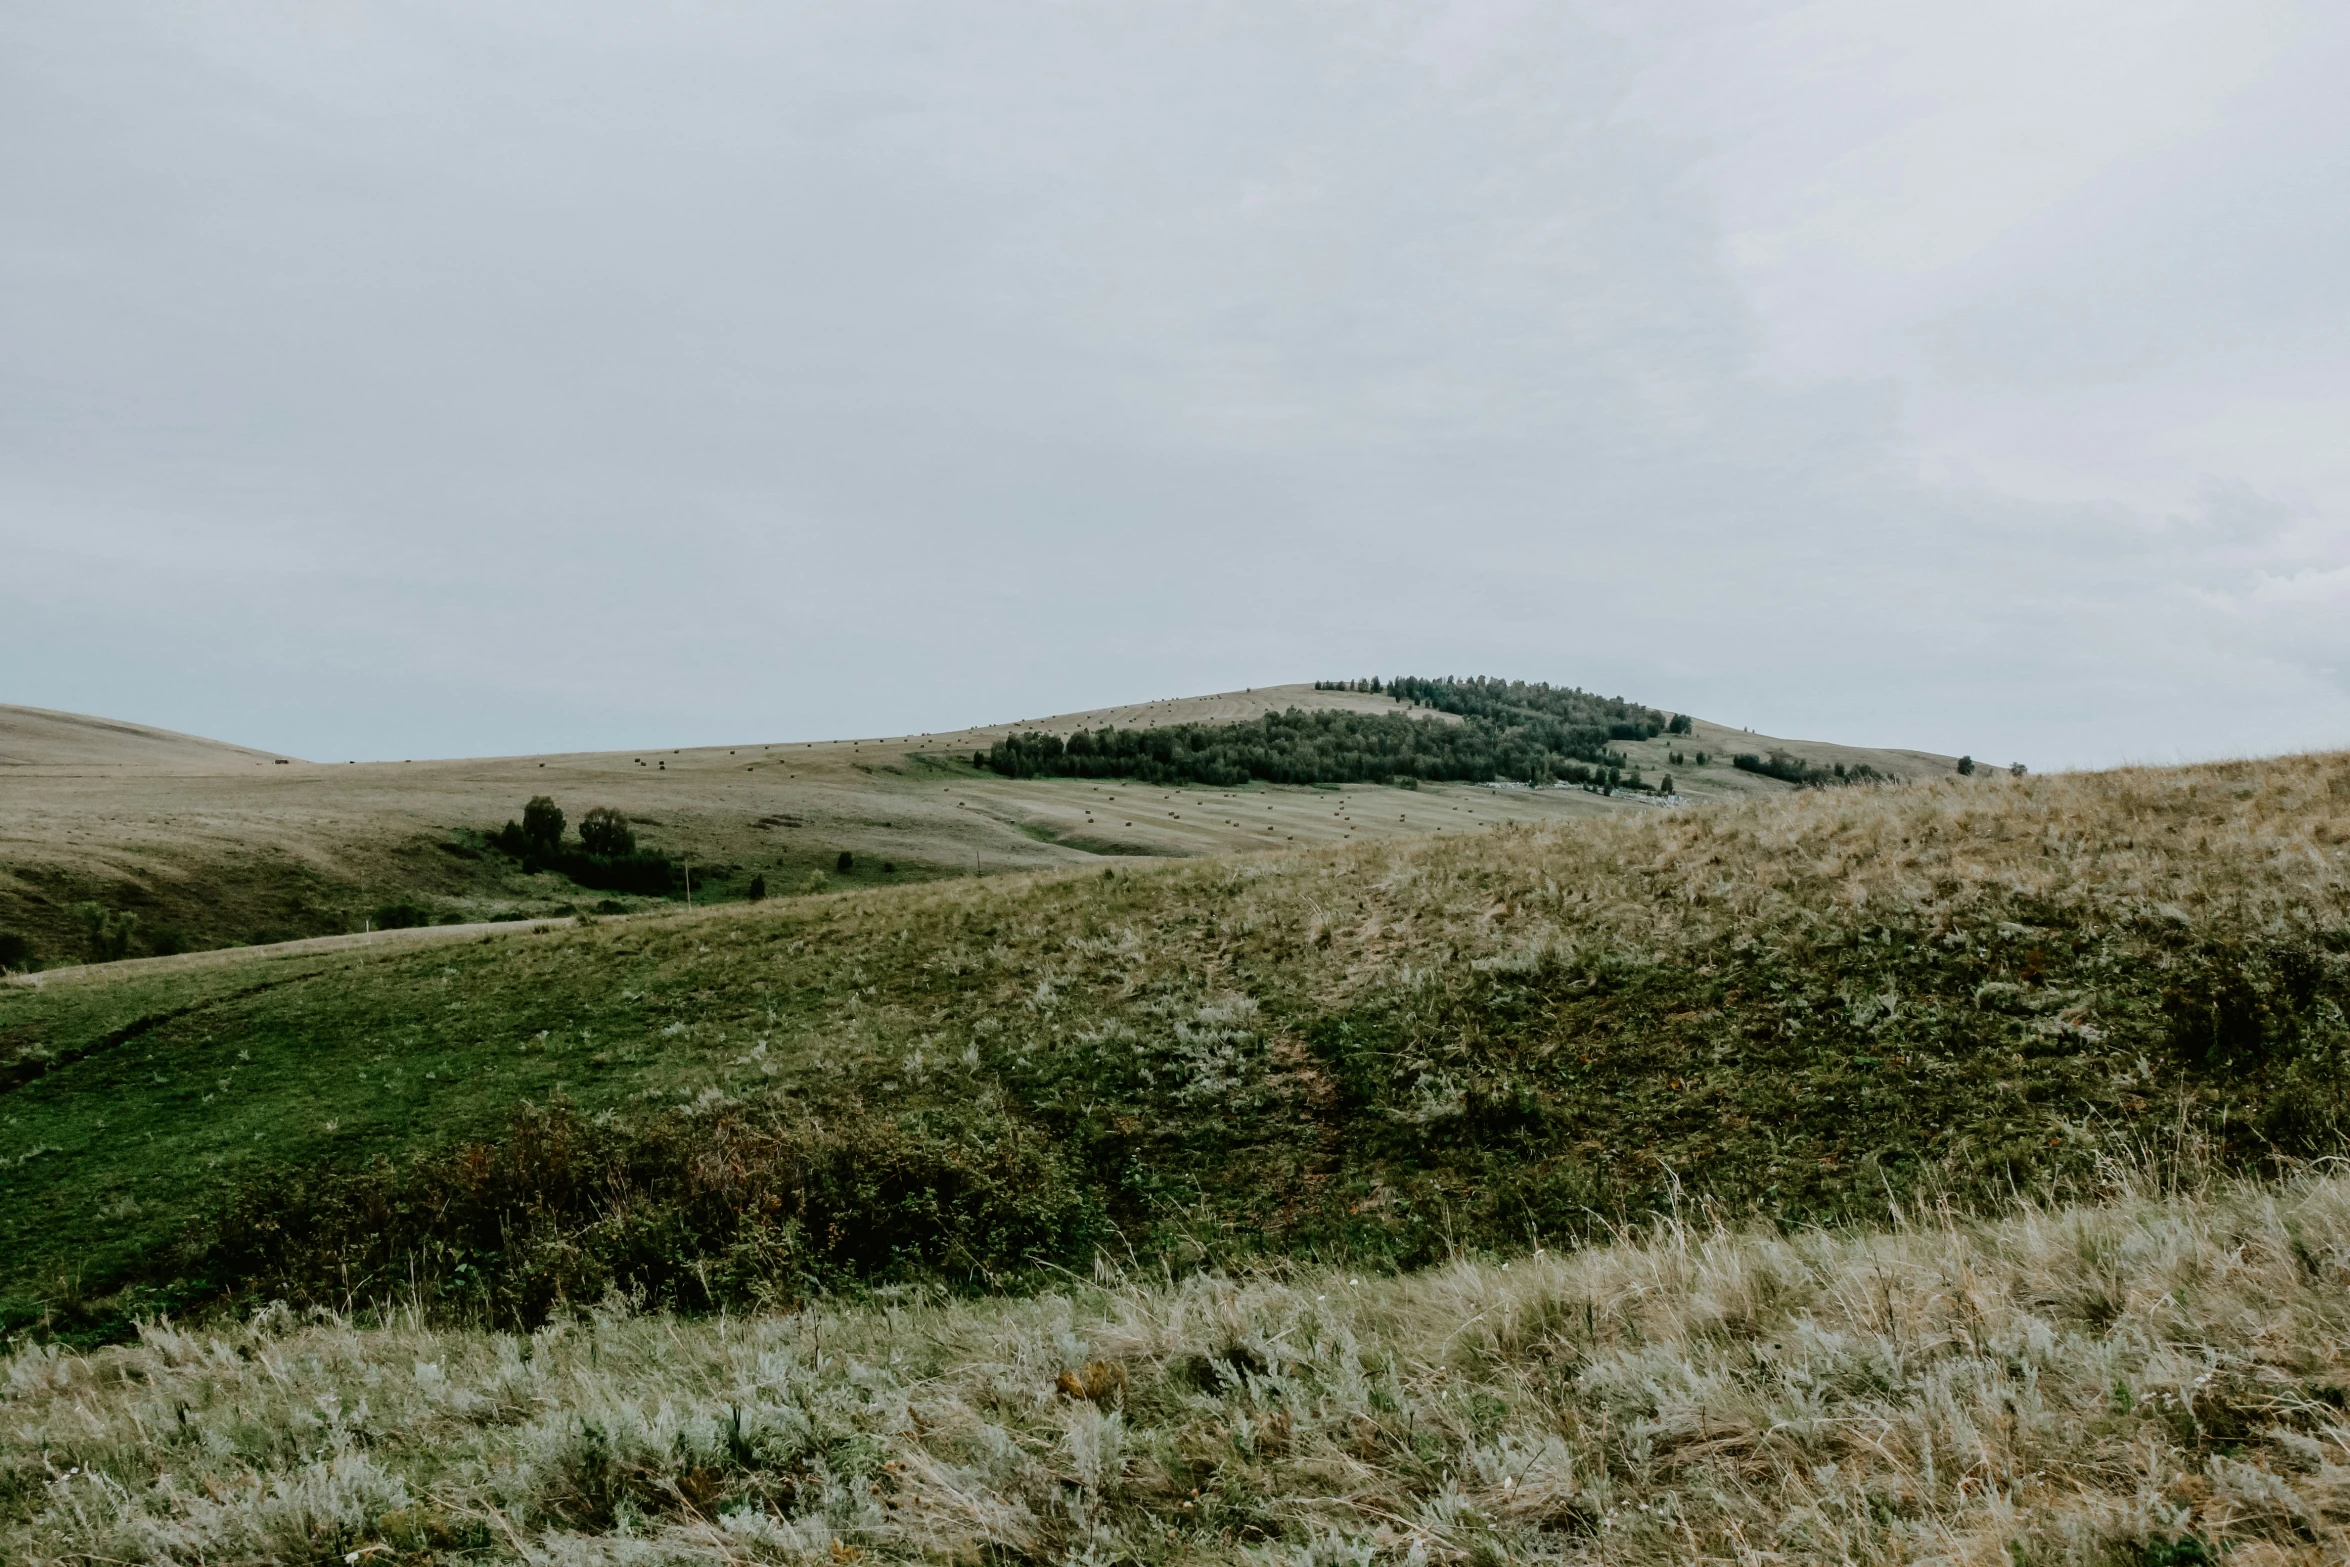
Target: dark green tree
(758, 888)
(542, 825)
(1966, 764)
(606, 832)
(846, 863)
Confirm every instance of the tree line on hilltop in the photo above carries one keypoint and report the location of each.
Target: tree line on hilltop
(1809, 775)
(1510, 730)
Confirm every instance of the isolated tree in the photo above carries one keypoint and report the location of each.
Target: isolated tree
(846, 863)
(542, 825)
(1966, 764)
(604, 831)
(758, 888)
(2016, 769)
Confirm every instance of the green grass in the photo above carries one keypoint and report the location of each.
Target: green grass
(1378, 1055)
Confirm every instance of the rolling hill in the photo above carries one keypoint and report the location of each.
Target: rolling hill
(1379, 1050)
(1537, 1174)
(210, 845)
(36, 741)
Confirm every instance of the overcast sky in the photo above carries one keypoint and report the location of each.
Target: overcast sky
(423, 379)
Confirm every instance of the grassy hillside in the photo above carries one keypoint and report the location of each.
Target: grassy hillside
(2153, 1382)
(205, 845)
(36, 739)
(1376, 1053)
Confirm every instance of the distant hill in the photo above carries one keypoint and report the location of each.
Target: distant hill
(36, 737)
(208, 844)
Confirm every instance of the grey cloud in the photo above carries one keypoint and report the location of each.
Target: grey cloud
(399, 380)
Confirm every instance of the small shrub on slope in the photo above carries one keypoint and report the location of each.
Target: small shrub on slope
(701, 1208)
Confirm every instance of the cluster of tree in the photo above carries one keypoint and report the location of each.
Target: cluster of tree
(1967, 764)
(1508, 701)
(1795, 770)
(1295, 747)
(1482, 696)
(607, 856)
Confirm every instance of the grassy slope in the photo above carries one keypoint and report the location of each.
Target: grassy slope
(1371, 1051)
(2154, 1382)
(215, 845)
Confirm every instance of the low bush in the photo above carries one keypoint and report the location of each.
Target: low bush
(694, 1208)
(109, 932)
(16, 951)
(641, 871)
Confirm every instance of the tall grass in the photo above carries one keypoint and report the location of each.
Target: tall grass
(2157, 1379)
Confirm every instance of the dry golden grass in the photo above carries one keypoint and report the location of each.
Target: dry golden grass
(2158, 1379)
(36, 738)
